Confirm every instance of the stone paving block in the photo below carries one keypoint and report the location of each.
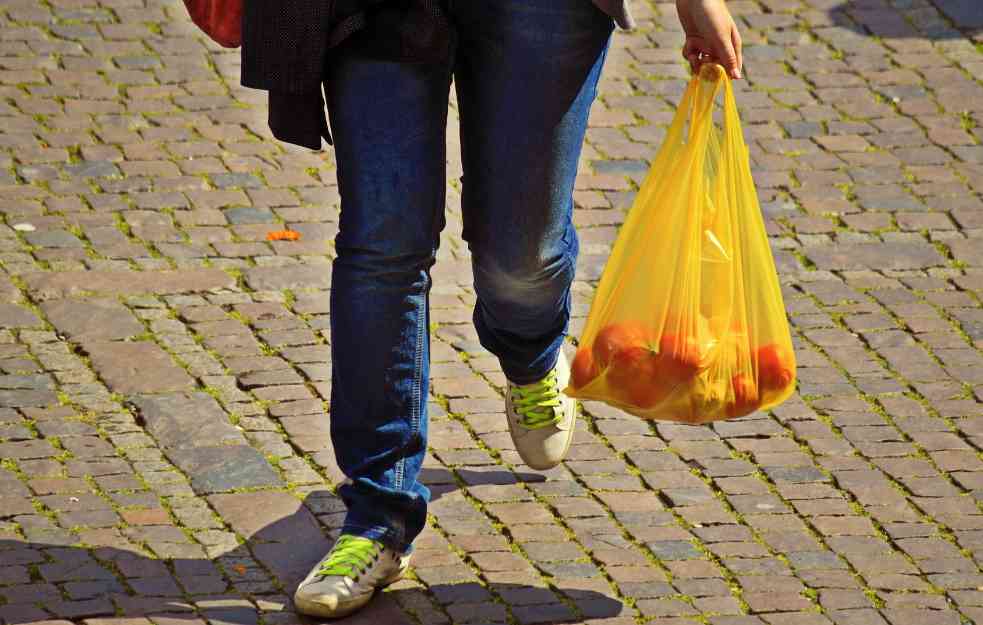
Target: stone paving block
(294, 277)
(14, 316)
(25, 613)
(48, 285)
(124, 150)
(895, 256)
(178, 420)
(96, 319)
(27, 449)
(218, 469)
(137, 367)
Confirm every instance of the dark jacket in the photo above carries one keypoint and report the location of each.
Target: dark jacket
(285, 47)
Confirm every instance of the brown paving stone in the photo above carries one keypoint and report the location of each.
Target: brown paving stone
(95, 319)
(13, 316)
(217, 469)
(913, 198)
(62, 284)
(138, 367)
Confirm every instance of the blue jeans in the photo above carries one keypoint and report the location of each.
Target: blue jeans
(526, 72)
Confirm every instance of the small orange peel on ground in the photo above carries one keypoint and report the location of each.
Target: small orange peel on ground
(282, 235)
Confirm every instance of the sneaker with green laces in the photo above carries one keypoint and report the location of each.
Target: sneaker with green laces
(347, 577)
(541, 418)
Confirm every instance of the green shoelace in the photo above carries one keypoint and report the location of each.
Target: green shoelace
(350, 556)
(538, 404)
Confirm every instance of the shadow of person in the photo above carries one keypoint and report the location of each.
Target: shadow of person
(251, 582)
(954, 19)
(441, 481)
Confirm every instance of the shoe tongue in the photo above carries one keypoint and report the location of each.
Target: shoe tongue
(543, 386)
(349, 544)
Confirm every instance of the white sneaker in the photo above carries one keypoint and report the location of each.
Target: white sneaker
(347, 577)
(541, 418)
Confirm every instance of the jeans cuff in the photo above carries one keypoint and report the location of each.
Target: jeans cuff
(388, 536)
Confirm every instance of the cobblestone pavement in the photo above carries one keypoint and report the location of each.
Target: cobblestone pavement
(165, 369)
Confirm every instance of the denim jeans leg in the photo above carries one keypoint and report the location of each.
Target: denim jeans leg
(526, 74)
(388, 120)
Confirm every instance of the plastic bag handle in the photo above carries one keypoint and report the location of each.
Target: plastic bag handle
(695, 107)
(697, 103)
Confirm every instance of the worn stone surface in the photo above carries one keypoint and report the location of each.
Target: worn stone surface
(94, 319)
(66, 283)
(14, 316)
(189, 475)
(186, 420)
(218, 469)
(137, 367)
(262, 278)
(896, 256)
(276, 522)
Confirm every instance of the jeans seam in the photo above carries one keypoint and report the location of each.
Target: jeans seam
(421, 330)
(400, 468)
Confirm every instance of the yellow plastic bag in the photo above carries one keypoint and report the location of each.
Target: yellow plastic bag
(688, 322)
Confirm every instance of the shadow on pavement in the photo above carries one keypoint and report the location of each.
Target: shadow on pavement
(283, 540)
(961, 18)
(441, 481)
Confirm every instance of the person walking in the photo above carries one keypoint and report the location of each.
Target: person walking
(525, 74)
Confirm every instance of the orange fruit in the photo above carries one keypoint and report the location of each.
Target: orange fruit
(745, 399)
(583, 369)
(776, 367)
(681, 355)
(617, 336)
(635, 376)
